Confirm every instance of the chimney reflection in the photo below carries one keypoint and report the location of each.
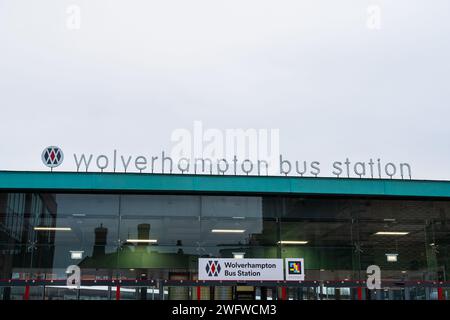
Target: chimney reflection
(101, 235)
(143, 233)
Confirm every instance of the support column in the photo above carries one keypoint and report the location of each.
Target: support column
(26, 296)
(118, 293)
(360, 293)
(283, 293)
(441, 294)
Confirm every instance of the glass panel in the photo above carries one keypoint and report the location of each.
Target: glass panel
(161, 237)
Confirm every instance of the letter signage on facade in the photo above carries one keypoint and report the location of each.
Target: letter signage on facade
(116, 162)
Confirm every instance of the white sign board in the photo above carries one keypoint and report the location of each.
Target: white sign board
(295, 269)
(240, 269)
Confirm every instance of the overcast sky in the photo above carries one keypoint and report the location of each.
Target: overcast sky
(137, 70)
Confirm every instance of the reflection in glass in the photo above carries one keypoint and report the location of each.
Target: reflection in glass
(161, 237)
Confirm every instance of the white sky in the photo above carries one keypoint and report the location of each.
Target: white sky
(137, 70)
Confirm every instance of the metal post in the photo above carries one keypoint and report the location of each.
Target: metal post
(360, 297)
(161, 290)
(199, 292)
(441, 294)
(26, 296)
(118, 293)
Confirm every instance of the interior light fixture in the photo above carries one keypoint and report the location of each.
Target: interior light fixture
(238, 255)
(392, 257)
(75, 255)
(228, 230)
(142, 240)
(52, 229)
(391, 233)
(292, 242)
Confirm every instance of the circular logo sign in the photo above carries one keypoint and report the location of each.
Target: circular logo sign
(52, 156)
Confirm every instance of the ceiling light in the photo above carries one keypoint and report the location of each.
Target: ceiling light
(238, 255)
(75, 255)
(227, 230)
(391, 233)
(392, 257)
(52, 229)
(142, 240)
(292, 242)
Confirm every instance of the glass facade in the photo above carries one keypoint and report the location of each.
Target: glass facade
(158, 238)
